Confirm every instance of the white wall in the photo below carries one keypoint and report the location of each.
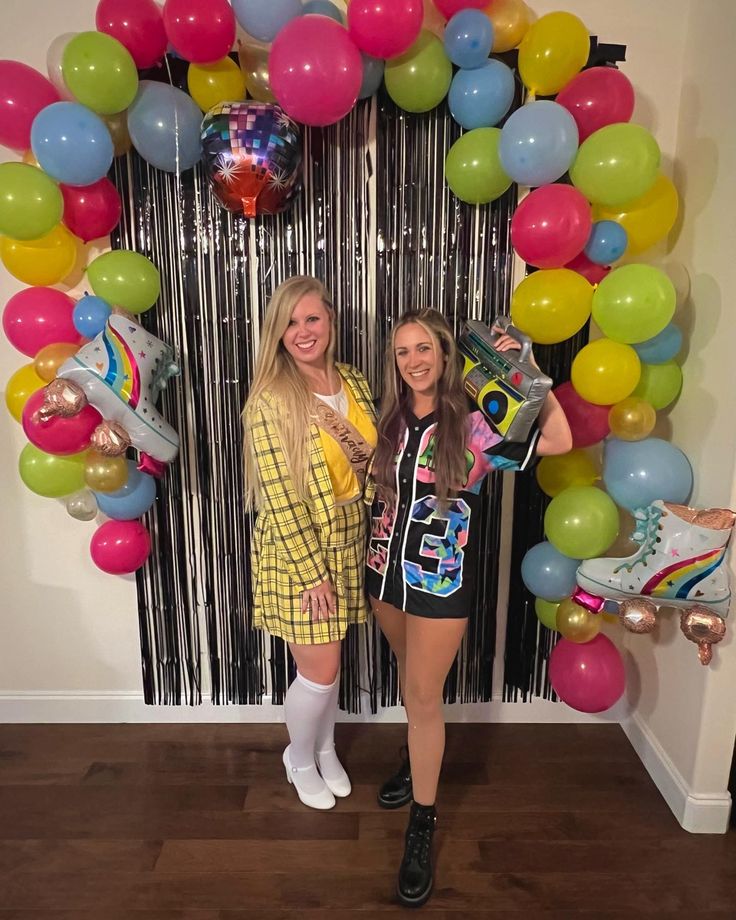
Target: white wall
(68, 629)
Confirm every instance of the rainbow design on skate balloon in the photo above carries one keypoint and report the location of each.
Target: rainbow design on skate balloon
(122, 376)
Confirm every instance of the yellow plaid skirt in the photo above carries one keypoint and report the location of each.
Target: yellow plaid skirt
(277, 600)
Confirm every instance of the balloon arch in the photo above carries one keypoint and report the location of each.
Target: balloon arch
(87, 397)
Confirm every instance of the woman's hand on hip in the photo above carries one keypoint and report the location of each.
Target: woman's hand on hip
(319, 601)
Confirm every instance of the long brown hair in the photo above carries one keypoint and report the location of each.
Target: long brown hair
(450, 436)
(276, 374)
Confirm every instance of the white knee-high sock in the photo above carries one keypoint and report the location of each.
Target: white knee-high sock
(329, 765)
(306, 705)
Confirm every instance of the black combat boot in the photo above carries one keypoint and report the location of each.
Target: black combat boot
(415, 874)
(396, 791)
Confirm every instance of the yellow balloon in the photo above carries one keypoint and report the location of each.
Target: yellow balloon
(648, 219)
(632, 419)
(21, 386)
(551, 305)
(211, 84)
(605, 372)
(51, 357)
(45, 261)
(105, 474)
(254, 66)
(576, 623)
(511, 20)
(554, 49)
(575, 468)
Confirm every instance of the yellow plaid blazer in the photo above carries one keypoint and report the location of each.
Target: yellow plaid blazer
(297, 528)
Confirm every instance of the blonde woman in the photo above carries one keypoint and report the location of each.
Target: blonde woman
(309, 433)
(434, 450)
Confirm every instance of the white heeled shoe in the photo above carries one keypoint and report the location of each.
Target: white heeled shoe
(338, 781)
(322, 800)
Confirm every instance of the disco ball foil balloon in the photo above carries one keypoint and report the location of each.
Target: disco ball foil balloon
(253, 157)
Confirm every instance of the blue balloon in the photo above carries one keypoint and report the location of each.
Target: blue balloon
(164, 125)
(547, 573)
(264, 20)
(469, 38)
(324, 8)
(480, 98)
(91, 315)
(372, 75)
(607, 242)
(663, 347)
(71, 143)
(538, 143)
(133, 500)
(636, 473)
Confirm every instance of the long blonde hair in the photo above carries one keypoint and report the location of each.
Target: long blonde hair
(448, 459)
(277, 375)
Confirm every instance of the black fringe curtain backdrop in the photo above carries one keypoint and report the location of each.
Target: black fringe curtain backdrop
(377, 223)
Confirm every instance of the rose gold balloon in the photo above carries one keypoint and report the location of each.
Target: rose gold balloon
(51, 357)
(62, 398)
(110, 439)
(576, 623)
(700, 625)
(638, 615)
(105, 474)
(254, 64)
(117, 125)
(632, 419)
(511, 20)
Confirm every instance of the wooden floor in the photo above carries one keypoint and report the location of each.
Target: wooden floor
(197, 823)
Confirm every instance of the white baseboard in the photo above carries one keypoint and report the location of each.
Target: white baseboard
(128, 706)
(697, 813)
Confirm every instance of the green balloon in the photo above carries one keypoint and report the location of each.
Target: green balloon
(49, 475)
(125, 279)
(634, 303)
(419, 79)
(616, 164)
(99, 72)
(660, 384)
(581, 522)
(473, 167)
(31, 204)
(546, 611)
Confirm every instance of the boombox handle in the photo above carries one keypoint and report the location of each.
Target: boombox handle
(504, 324)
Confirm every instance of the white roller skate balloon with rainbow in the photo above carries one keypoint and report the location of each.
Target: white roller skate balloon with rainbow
(679, 563)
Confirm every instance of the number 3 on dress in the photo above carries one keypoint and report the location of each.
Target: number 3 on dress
(445, 548)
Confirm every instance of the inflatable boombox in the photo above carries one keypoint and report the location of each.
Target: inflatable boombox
(506, 386)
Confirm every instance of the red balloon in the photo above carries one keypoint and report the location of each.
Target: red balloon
(598, 97)
(588, 676)
(23, 93)
(202, 31)
(120, 547)
(138, 25)
(385, 30)
(588, 423)
(551, 226)
(59, 435)
(39, 316)
(315, 70)
(448, 8)
(591, 271)
(91, 211)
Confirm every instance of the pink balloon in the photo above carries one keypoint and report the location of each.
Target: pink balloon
(591, 271)
(91, 211)
(315, 70)
(202, 31)
(385, 30)
(448, 8)
(59, 436)
(23, 93)
(120, 547)
(551, 226)
(39, 316)
(598, 97)
(588, 423)
(588, 676)
(138, 25)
